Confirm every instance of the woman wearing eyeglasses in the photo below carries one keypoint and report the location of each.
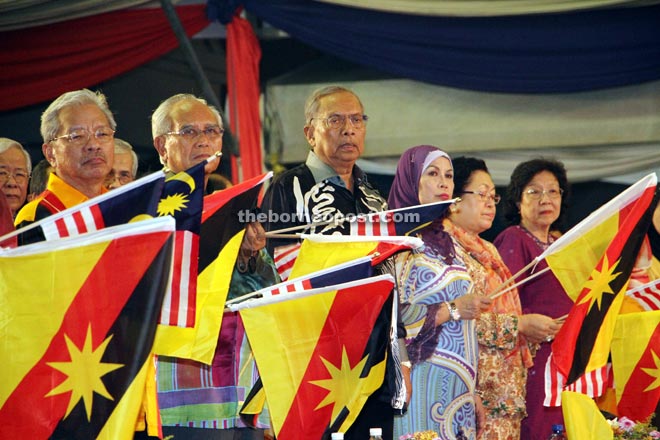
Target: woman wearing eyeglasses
(535, 204)
(503, 332)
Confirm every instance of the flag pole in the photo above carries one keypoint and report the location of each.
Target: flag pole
(513, 277)
(295, 228)
(242, 298)
(501, 291)
(283, 235)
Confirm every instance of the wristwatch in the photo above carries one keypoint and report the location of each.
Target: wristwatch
(453, 311)
(406, 364)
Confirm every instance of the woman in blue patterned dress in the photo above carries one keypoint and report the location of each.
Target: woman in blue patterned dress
(438, 308)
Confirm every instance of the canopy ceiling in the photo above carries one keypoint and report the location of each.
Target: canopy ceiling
(491, 77)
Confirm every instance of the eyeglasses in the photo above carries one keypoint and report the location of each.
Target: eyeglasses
(122, 176)
(20, 176)
(191, 134)
(80, 136)
(485, 197)
(338, 121)
(537, 193)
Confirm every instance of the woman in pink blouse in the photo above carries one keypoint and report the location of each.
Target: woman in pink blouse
(535, 202)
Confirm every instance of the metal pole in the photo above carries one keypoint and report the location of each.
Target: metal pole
(228, 142)
(189, 52)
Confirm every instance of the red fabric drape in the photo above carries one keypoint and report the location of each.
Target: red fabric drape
(243, 55)
(40, 63)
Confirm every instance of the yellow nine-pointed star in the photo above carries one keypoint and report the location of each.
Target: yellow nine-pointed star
(172, 203)
(343, 385)
(84, 373)
(653, 372)
(599, 283)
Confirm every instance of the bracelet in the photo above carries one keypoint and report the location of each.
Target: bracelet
(453, 311)
(406, 364)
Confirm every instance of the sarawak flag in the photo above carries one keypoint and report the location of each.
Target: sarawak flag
(354, 270)
(223, 226)
(583, 419)
(636, 364)
(321, 353)
(136, 200)
(395, 222)
(182, 198)
(76, 340)
(574, 255)
(583, 343)
(323, 251)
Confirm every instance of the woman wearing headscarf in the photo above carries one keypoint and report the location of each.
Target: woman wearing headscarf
(437, 308)
(504, 331)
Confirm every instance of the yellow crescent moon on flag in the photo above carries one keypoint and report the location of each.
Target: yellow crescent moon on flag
(185, 178)
(140, 217)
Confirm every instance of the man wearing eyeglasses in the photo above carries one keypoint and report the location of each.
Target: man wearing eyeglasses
(15, 168)
(124, 167)
(186, 131)
(327, 187)
(329, 184)
(78, 129)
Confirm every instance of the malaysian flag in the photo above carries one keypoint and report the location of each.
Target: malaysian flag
(134, 201)
(341, 273)
(221, 234)
(392, 223)
(647, 296)
(183, 199)
(402, 221)
(284, 257)
(593, 383)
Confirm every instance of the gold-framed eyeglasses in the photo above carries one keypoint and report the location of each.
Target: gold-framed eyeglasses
(122, 176)
(537, 193)
(20, 176)
(337, 121)
(80, 136)
(484, 196)
(191, 134)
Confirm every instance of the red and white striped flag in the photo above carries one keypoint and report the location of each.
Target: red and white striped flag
(183, 199)
(135, 200)
(379, 224)
(397, 222)
(647, 296)
(86, 219)
(392, 223)
(284, 257)
(593, 383)
(340, 273)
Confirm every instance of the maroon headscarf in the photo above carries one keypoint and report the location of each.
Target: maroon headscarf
(405, 192)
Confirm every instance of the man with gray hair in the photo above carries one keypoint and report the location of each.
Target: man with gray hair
(15, 169)
(328, 187)
(78, 131)
(186, 131)
(124, 168)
